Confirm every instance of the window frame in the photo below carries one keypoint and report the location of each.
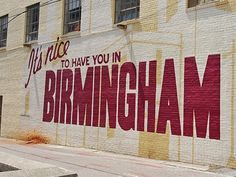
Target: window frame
(125, 9)
(29, 23)
(66, 14)
(5, 17)
(201, 3)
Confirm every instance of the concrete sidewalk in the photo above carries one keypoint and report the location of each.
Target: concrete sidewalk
(92, 163)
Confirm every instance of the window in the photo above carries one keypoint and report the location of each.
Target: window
(193, 3)
(126, 10)
(3, 31)
(32, 23)
(72, 16)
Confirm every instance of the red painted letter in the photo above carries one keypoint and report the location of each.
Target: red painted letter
(202, 101)
(109, 96)
(67, 79)
(169, 109)
(127, 122)
(83, 97)
(57, 97)
(147, 93)
(48, 96)
(96, 95)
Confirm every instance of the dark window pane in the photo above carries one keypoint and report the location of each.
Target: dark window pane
(193, 3)
(72, 16)
(32, 22)
(127, 10)
(3, 43)
(3, 30)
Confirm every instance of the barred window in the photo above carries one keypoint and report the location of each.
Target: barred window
(72, 16)
(127, 10)
(194, 3)
(3, 30)
(32, 23)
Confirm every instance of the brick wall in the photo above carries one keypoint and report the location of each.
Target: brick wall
(165, 30)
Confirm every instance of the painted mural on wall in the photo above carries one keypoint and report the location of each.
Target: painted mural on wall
(114, 93)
